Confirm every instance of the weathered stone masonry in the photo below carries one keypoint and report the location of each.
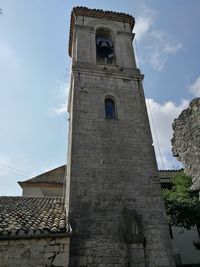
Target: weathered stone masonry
(115, 205)
(186, 140)
(33, 252)
(33, 232)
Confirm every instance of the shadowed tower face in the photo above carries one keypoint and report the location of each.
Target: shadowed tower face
(113, 192)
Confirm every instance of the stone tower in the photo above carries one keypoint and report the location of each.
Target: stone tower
(113, 192)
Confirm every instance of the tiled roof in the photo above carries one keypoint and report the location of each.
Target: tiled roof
(97, 13)
(172, 170)
(29, 216)
(167, 175)
(55, 176)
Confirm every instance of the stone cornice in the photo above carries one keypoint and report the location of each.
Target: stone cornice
(108, 70)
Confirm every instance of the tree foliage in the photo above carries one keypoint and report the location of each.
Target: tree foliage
(182, 204)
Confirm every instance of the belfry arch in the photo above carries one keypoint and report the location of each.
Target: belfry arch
(105, 50)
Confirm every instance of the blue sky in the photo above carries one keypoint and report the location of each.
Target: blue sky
(35, 68)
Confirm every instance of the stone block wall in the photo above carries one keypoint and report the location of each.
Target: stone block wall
(113, 191)
(116, 173)
(33, 252)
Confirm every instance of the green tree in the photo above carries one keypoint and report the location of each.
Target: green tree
(182, 204)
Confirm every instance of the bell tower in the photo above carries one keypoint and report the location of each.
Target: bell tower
(113, 194)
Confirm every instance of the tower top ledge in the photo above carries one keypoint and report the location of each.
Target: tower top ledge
(97, 13)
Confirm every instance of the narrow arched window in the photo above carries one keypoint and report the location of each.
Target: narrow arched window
(110, 111)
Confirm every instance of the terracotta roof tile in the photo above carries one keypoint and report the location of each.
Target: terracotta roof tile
(32, 216)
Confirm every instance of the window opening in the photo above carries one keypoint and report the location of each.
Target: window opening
(110, 109)
(104, 46)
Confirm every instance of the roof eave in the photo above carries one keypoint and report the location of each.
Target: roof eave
(49, 184)
(34, 236)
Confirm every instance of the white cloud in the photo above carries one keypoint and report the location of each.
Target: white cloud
(169, 45)
(61, 109)
(157, 60)
(62, 90)
(163, 117)
(156, 44)
(195, 87)
(163, 45)
(144, 22)
(172, 48)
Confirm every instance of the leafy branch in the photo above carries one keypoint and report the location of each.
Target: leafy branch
(182, 204)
